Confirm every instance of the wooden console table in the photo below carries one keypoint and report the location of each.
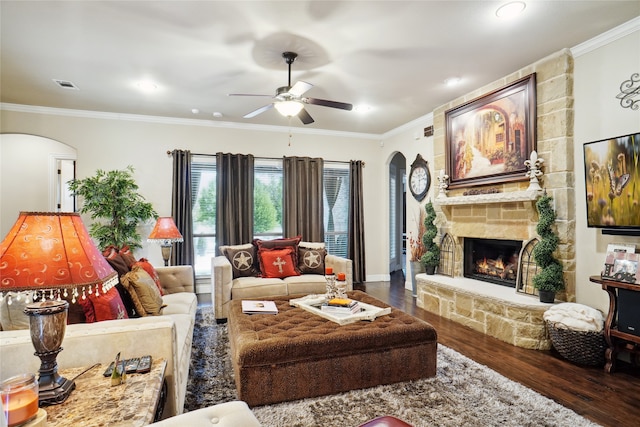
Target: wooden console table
(95, 403)
(617, 341)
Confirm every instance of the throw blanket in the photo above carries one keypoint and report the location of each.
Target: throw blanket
(574, 316)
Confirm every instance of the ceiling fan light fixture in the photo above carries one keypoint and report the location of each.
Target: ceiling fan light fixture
(288, 108)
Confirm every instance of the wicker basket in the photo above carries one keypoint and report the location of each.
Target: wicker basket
(582, 347)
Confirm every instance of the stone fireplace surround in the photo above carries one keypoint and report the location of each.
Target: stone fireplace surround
(493, 309)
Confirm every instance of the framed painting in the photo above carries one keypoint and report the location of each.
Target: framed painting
(488, 139)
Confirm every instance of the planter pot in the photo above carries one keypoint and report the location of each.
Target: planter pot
(547, 296)
(430, 269)
(416, 268)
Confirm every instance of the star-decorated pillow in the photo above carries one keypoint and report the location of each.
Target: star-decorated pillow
(278, 263)
(311, 260)
(242, 259)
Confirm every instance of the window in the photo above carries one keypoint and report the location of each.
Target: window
(336, 207)
(267, 214)
(267, 199)
(203, 193)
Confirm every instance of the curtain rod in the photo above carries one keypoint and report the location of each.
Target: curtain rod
(170, 153)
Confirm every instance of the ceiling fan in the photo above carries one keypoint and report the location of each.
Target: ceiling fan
(289, 101)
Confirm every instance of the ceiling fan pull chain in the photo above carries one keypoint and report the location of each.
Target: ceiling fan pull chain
(290, 131)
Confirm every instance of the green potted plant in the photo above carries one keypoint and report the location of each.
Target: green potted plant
(115, 206)
(431, 257)
(549, 279)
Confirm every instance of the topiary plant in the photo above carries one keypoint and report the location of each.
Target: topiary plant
(113, 196)
(431, 257)
(550, 278)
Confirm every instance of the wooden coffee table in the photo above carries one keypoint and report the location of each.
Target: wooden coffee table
(297, 354)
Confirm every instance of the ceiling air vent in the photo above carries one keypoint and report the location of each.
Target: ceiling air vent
(65, 84)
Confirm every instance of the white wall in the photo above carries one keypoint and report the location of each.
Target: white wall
(598, 75)
(27, 175)
(112, 142)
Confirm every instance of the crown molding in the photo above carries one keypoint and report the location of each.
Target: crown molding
(21, 108)
(607, 37)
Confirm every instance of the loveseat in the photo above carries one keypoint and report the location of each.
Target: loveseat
(228, 283)
(167, 336)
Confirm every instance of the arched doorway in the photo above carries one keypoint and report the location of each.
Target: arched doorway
(397, 207)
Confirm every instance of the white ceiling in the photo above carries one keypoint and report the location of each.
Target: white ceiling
(392, 55)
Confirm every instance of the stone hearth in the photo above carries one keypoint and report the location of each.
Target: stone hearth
(491, 309)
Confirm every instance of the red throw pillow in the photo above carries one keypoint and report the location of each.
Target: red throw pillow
(278, 263)
(146, 266)
(108, 306)
(127, 256)
(115, 260)
(291, 242)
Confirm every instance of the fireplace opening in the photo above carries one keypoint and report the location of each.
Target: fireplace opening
(492, 260)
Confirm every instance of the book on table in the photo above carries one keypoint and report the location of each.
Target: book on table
(259, 307)
(341, 305)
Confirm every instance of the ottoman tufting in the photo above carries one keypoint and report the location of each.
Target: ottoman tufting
(296, 354)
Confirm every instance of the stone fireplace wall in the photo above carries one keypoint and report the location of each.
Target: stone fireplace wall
(518, 219)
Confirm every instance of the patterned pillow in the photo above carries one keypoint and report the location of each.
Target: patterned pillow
(291, 242)
(115, 260)
(144, 292)
(127, 255)
(108, 306)
(242, 258)
(278, 263)
(311, 261)
(146, 266)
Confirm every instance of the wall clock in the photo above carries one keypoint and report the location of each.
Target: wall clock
(419, 178)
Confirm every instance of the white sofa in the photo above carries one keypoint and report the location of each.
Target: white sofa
(225, 287)
(168, 336)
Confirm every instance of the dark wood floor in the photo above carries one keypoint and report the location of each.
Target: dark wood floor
(607, 399)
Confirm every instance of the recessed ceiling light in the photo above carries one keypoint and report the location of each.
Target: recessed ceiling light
(195, 111)
(147, 86)
(217, 114)
(362, 108)
(511, 9)
(452, 81)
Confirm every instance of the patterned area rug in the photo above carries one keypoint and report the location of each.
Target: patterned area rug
(463, 393)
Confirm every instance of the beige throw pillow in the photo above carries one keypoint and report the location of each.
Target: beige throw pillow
(144, 292)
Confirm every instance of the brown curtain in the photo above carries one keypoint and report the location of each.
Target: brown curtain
(181, 204)
(234, 199)
(355, 241)
(302, 193)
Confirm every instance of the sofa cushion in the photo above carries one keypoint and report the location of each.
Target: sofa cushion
(311, 260)
(179, 303)
(12, 316)
(257, 287)
(279, 244)
(146, 266)
(278, 262)
(306, 284)
(242, 258)
(108, 306)
(143, 291)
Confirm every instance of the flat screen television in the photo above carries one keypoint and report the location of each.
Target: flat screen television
(612, 173)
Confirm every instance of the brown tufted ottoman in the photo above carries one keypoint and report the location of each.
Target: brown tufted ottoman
(296, 354)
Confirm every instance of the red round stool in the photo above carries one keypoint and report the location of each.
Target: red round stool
(386, 421)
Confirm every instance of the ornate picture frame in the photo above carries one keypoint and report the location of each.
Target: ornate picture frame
(489, 138)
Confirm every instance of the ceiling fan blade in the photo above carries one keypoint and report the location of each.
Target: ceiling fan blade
(258, 111)
(304, 117)
(299, 88)
(327, 103)
(247, 94)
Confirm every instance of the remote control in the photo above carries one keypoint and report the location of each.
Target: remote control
(109, 370)
(131, 365)
(145, 365)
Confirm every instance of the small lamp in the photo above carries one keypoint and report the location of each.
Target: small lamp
(51, 253)
(166, 233)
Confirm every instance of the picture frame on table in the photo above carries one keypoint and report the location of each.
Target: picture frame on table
(489, 138)
(621, 266)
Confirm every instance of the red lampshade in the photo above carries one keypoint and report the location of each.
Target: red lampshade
(51, 250)
(165, 230)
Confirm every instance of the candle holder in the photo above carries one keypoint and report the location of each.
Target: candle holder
(341, 285)
(19, 395)
(331, 285)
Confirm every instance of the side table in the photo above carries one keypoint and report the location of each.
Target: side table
(617, 340)
(137, 402)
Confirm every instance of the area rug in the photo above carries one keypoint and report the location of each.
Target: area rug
(463, 393)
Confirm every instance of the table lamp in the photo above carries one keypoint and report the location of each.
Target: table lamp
(52, 255)
(166, 233)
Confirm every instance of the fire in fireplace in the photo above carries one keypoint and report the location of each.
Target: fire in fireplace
(492, 260)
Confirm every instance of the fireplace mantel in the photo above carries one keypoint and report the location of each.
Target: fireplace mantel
(511, 196)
